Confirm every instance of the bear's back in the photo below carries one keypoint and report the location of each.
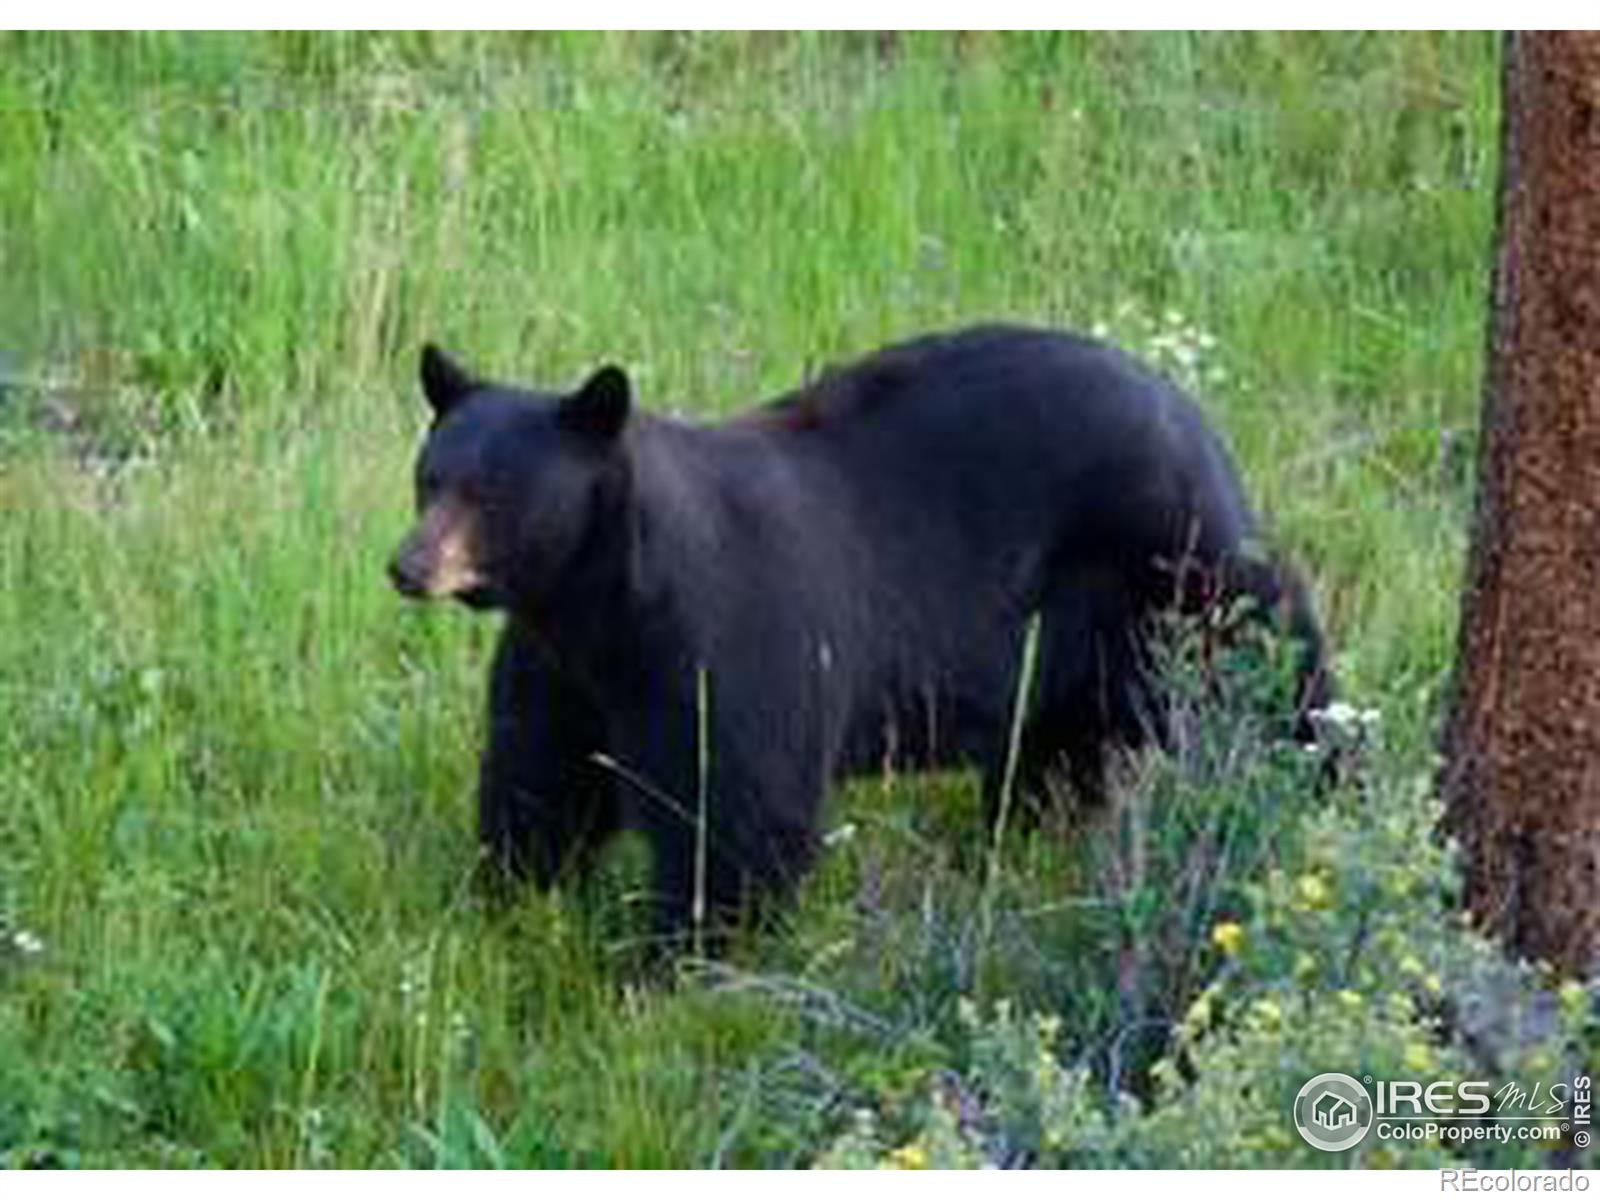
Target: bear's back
(933, 365)
(1001, 417)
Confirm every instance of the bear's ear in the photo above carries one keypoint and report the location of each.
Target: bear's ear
(599, 409)
(444, 382)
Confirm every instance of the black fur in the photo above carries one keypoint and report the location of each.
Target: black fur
(851, 567)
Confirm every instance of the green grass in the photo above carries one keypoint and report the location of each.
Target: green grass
(237, 798)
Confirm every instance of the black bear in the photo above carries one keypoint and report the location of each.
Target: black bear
(709, 624)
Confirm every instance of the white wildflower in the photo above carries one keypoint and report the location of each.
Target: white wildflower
(1347, 717)
(26, 943)
(841, 835)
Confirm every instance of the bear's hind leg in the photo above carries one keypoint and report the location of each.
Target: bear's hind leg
(1061, 750)
(1091, 700)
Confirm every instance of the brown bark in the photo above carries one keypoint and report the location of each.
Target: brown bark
(1522, 744)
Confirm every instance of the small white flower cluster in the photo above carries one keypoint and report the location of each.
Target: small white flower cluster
(1188, 351)
(1342, 725)
(416, 990)
(1172, 342)
(1347, 716)
(24, 944)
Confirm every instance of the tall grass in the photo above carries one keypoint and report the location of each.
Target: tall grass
(1021, 701)
(236, 807)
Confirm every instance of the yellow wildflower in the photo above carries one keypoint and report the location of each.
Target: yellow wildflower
(1313, 891)
(910, 1157)
(1267, 1012)
(1228, 936)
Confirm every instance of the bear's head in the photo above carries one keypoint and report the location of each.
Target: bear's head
(511, 485)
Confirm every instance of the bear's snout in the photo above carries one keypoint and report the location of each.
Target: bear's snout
(406, 576)
(440, 557)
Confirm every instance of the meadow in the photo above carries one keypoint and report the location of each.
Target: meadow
(236, 810)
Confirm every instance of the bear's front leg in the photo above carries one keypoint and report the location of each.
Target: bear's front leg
(728, 846)
(544, 805)
(703, 888)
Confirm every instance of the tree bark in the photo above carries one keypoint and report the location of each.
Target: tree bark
(1522, 743)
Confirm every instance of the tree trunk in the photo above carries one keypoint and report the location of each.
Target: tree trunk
(1522, 744)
